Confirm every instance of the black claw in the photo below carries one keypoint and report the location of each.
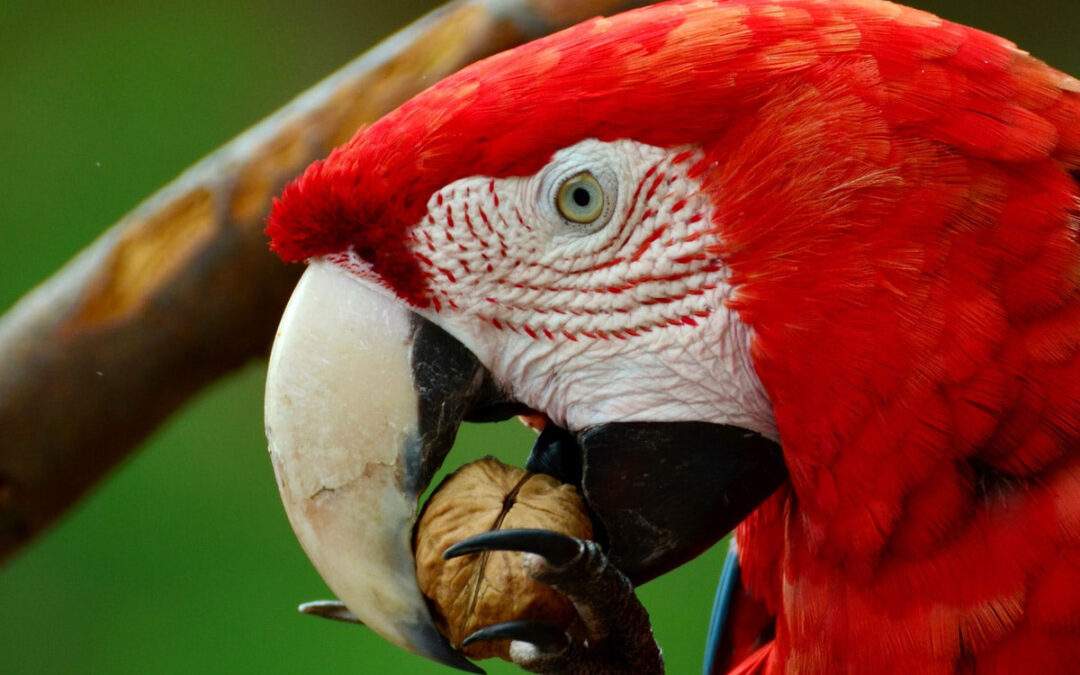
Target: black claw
(557, 549)
(547, 637)
(330, 609)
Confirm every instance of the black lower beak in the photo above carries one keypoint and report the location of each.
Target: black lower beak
(662, 493)
(665, 492)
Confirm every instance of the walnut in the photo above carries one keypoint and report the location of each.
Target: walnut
(472, 592)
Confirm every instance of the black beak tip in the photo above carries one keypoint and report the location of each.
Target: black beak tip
(435, 647)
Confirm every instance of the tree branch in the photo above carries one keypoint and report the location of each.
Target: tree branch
(183, 289)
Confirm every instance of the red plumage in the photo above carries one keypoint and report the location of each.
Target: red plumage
(898, 201)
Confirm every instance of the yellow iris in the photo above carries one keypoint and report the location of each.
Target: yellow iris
(580, 198)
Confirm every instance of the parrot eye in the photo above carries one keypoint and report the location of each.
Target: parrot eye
(580, 198)
(578, 191)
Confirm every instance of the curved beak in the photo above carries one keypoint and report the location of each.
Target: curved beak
(363, 400)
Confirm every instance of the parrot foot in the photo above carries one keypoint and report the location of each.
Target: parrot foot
(619, 636)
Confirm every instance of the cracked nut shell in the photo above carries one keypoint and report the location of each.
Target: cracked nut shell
(475, 591)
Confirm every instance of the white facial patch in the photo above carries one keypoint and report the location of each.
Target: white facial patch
(612, 318)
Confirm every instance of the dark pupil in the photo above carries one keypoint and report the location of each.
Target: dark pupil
(581, 197)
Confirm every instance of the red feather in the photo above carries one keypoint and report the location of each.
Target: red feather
(898, 203)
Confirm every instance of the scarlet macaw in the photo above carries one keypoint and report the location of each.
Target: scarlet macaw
(809, 265)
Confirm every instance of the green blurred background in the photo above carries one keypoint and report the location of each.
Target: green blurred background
(183, 561)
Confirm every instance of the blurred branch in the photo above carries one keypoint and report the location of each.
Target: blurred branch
(183, 289)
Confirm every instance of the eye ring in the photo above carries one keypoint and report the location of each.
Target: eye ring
(580, 198)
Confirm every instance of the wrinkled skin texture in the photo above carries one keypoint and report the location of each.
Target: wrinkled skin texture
(886, 206)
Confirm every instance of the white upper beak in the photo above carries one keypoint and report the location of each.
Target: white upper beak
(342, 424)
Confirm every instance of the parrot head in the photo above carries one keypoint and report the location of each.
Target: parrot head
(676, 233)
